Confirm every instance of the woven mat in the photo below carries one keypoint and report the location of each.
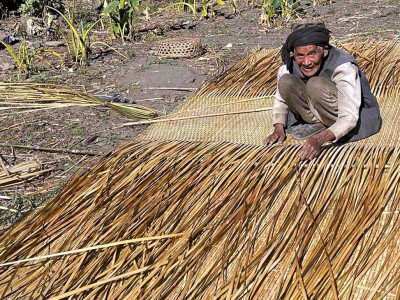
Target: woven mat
(237, 106)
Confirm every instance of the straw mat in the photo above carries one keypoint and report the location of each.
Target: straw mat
(248, 87)
(221, 216)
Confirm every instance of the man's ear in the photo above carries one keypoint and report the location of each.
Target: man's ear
(326, 51)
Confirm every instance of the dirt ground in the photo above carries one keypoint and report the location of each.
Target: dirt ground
(151, 82)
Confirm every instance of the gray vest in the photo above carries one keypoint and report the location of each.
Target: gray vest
(369, 121)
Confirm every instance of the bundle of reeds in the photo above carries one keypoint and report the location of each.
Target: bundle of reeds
(217, 220)
(222, 221)
(28, 97)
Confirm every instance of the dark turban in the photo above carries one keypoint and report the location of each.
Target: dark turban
(302, 37)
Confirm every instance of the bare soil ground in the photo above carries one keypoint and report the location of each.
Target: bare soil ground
(225, 38)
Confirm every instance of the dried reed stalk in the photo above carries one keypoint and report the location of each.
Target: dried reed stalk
(23, 96)
(20, 173)
(54, 150)
(259, 225)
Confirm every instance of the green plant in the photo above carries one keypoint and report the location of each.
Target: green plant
(185, 4)
(36, 8)
(25, 57)
(205, 6)
(19, 205)
(272, 10)
(78, 44)
(120, 15)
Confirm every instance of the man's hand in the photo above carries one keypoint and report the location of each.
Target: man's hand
(277, 136)
(313, 144)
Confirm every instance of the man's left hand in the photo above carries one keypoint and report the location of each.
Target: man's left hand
(313, 144)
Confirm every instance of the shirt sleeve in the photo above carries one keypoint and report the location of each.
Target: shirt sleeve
(279, 109)
(347, 80)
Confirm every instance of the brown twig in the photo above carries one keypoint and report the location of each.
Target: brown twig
(173, 89)
(150, 99)
(15, 125)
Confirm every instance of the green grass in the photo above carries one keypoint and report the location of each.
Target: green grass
(22, 204)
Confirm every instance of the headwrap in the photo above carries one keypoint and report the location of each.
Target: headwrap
(302, 37)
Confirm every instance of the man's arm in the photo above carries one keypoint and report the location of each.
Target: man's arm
(279, 111)
(348, 84)
(347, 80)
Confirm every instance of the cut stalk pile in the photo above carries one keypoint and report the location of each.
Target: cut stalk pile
(29, 97)
(218, 220)
(20, 173)
(254, 222)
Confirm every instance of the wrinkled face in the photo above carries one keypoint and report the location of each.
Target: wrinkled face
(309, 58)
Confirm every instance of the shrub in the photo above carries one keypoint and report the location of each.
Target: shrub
(36, 8)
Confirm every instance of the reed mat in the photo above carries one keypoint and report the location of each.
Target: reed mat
(196, 209)
(211, 114)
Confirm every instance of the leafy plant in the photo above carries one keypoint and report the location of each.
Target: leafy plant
(184, 4)
(78, 44)
(120, 15)
(36, 8)
(206, 6)
(25, 57)
(192, 5)
(273, 9)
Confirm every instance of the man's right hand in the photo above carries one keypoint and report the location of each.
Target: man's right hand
(277, 136)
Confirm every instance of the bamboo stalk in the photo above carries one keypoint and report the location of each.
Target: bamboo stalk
(97, 247)
(14, 179)
(102, 282)
(192, 117)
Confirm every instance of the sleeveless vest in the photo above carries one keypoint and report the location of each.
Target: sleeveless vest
(369, 121)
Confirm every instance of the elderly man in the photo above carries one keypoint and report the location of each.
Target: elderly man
(322, 95)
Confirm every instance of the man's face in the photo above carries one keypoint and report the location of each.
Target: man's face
(309, 59)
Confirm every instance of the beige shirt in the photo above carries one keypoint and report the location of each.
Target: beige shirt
(347, 80)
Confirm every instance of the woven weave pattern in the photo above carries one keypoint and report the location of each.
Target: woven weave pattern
(176, 48)
(248, 88)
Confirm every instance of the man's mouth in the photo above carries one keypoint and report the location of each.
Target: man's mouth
(309, 68)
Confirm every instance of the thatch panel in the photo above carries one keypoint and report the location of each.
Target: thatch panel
(248, 215)
(227, 219)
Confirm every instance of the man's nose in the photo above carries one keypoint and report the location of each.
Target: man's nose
(306, 61)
